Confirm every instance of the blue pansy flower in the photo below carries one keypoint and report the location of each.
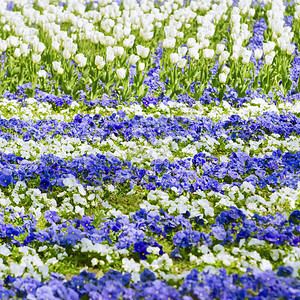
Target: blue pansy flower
(51, 216)
(295, 217)
(218, 232)
(181, 239)
(147, 275)
(6, 177)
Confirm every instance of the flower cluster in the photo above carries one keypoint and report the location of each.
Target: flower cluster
(149, 149)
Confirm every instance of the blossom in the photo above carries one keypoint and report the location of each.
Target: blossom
(5, 177)
(80, 59)
(51, 216)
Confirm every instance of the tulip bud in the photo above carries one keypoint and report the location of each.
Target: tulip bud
(80, 60)
(193, 52)
(3, 45)
(191, 42)
(66, 54)
(56, 65)
(110, 56)
(220, 48)
(142, 51)
(133, 59)
(182, 51)
(42, 73)
(222, 77)
(290, 49)
(60, 71)
(99, 62)
(174, 58)
(246, 55)
(258, 53)
(223, 56)
(181, 63)
(208, 53)
(36, 58)
(121, 73)
(269, 59)
(17, 53)
(141, 66)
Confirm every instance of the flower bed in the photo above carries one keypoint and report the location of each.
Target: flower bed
(149, 149)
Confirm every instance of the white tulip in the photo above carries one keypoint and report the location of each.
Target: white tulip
(141, 66)
(99, 62)
(180, 34)
(39, 47)
(142, 51)
(182, 51)
(174, 58)
(118, 51)
(269, 59)
(12, 41)
(72, 48)
(251, 12)
(110, 56)
(208, 53)
(258, 53)
(6, 28)
(66, 54)
(128, 43)
(268, 47)
(181, 63)
(42, 73)
(147, 35)
(222, 77)
(133, 59)
(3, 45)
(56, 65)
(169, 43)
(55, 46)
(36, 58)
(81, 60)
(17, 53)
(60, 71)
(223, 56)
(246, 55)
(193, 52)
(235, 56)
(121, 73)
(191, 42)
(24, 49)
(290, 49)
(220, 48)
(226, 70)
